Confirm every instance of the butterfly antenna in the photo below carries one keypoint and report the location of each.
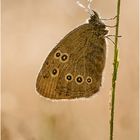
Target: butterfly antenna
(88, 9)
(80, 4)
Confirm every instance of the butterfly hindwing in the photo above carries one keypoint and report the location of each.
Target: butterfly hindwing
(88, 65)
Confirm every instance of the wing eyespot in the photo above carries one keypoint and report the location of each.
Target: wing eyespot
(54, 72)
(58, 54)
(69, 77)
(89, 80)
(64, 58)
(79, 79)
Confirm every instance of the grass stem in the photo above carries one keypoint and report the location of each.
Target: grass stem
(115, 71)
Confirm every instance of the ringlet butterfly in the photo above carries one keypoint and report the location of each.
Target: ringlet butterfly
(73, 69)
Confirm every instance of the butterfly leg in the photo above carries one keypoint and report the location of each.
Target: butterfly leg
(109, 18)
(113, 36)
(112, 26)
(111, 39)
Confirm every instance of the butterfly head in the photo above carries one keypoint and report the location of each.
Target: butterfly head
(97, 23)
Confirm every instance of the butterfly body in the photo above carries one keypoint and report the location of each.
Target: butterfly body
(74, 67)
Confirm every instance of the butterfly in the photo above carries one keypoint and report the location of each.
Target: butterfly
(74, 68)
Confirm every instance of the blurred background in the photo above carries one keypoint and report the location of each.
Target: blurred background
(30, 29)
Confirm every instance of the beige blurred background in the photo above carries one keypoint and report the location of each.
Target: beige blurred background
(30, 29)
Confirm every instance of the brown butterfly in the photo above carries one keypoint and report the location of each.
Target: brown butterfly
(74, 67)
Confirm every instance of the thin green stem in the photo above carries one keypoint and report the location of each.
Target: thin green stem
(115, 71)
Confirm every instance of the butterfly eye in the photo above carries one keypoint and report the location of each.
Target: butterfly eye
(89, 80)
(102, 26)
(69, 77)
(57, 54)
(64, 57)
(79, 79)
(54, 72)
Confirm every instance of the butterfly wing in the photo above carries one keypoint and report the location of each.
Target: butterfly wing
(74, 67)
